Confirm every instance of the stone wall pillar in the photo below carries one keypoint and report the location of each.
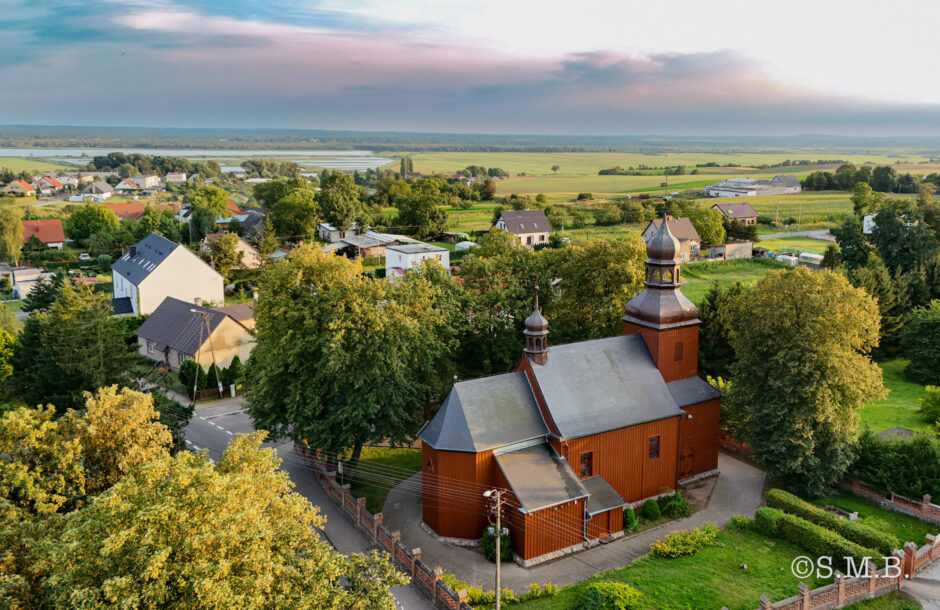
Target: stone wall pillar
(375, 526)
(872, 578)
(765, 603)
(804, 593)
(934, 543)
(415, 558)
(840, 584)
(360, 509)
(438, 573)
(907, 565)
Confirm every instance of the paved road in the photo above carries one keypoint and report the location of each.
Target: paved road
(821, 234)
(214, 424)
(925, 587)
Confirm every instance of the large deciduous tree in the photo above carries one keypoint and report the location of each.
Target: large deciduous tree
(90, 219)
(222, 252)
(318, 318)
(178, 532)
(716, 313)
(709, 224)
(339, 200)
(802, 341)
(11, 233)
(920, 343)
(901, 236)
(295, 213)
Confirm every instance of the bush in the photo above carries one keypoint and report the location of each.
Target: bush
(920, 344)
(235, 373)
(930, 406)
(188, 375)
(810, 537)
(650, 510)
(489, 544)
(608, 595)
(685, 542)
(850, 530)
(674, 506)
(585, 196)
(629, 518)
(536, 591)
(739, 522)
(213, 377)
(911, 466)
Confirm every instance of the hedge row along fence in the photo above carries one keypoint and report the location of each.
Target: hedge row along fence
(425, 579)
(810, 537)
(854, 531)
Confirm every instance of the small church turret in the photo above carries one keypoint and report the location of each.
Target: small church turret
(666, 318)
(536, 335)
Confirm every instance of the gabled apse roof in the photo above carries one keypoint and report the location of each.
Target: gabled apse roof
(691, 390)
(485, 413)
(539, 478)
(603, 384)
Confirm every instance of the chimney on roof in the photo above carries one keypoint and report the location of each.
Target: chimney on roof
(132, 252)
(198, 301)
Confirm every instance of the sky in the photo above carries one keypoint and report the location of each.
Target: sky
(672, 67)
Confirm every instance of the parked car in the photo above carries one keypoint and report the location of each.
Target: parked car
(84, 256)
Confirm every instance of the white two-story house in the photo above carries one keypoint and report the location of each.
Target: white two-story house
(156, 268)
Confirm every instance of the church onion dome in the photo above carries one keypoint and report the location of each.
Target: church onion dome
(663, 246)
(536, 323)
(660, 309)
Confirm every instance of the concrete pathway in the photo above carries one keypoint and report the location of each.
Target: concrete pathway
(822, 234)
(925, 587)
(738, 491)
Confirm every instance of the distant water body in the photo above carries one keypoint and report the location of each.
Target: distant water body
(332, 159)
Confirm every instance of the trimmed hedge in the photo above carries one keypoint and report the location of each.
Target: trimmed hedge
(850, 530)
(629, 518)
(489, 544)
(608, 595)
(685, 542)
(814, 539)
(650, 510)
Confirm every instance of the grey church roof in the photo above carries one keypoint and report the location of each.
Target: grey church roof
(485, 413)
(143, 257)
(691, 390)
(174, 324)
(539, 478)
(604, 384)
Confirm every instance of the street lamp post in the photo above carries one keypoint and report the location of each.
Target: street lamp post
(497, 495)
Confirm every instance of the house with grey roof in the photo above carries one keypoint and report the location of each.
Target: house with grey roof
(179, 330)
(580, 430)
(690, 243)
(399, 259)
(531, 227)
(156, 268)
(749, 187)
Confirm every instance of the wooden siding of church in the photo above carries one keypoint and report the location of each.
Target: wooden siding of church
(662, 346)
(621, 457)
(604, 524)
(552, 529)
(449, 507)
(701, 435)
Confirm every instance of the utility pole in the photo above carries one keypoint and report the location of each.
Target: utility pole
(497, 494)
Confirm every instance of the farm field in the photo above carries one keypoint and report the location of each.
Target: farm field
(709, 579)
(900, 407)
(697, 278)
(18, 164)
(795, 244)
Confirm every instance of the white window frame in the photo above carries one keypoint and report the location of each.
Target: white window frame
(149, 346)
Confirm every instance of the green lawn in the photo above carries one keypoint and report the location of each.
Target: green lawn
(698, 277)
(891, 601)
(795, 244)
(382, 469)
(14, 306)
(710, 579)
(907, 529)
(900, 407)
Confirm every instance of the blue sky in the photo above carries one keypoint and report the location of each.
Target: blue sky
(516, 66)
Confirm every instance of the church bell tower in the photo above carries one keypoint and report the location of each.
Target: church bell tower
(667, 320)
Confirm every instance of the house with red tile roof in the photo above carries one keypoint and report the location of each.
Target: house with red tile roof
(129, 210)
(127, 185)
(20, 188)
(48, 231)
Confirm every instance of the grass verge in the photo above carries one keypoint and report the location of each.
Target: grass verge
(900, 407)
(403, 462)
(906, 528)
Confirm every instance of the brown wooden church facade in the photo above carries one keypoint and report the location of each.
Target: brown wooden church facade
(580, 430)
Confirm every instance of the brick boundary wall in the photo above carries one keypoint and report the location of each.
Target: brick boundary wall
(847, 591)
(924, 510)
(425, 579)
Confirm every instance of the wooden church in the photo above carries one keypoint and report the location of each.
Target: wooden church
(577, 431)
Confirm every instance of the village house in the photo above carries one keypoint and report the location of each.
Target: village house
(250, 258)
(243, 312)
(23, 280)
(175, 178)
(156, 268)
(20, 188)
(127, 185)
(578, 431)
(399, 259)
(146, 181)
(682, 228)
(737, 210)
(48, 231)
(531, 227)
(329, 233)
(47, 185)
(179, 330)
(134, 210)
(98, 191)
(731, 250)
(749, 187)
